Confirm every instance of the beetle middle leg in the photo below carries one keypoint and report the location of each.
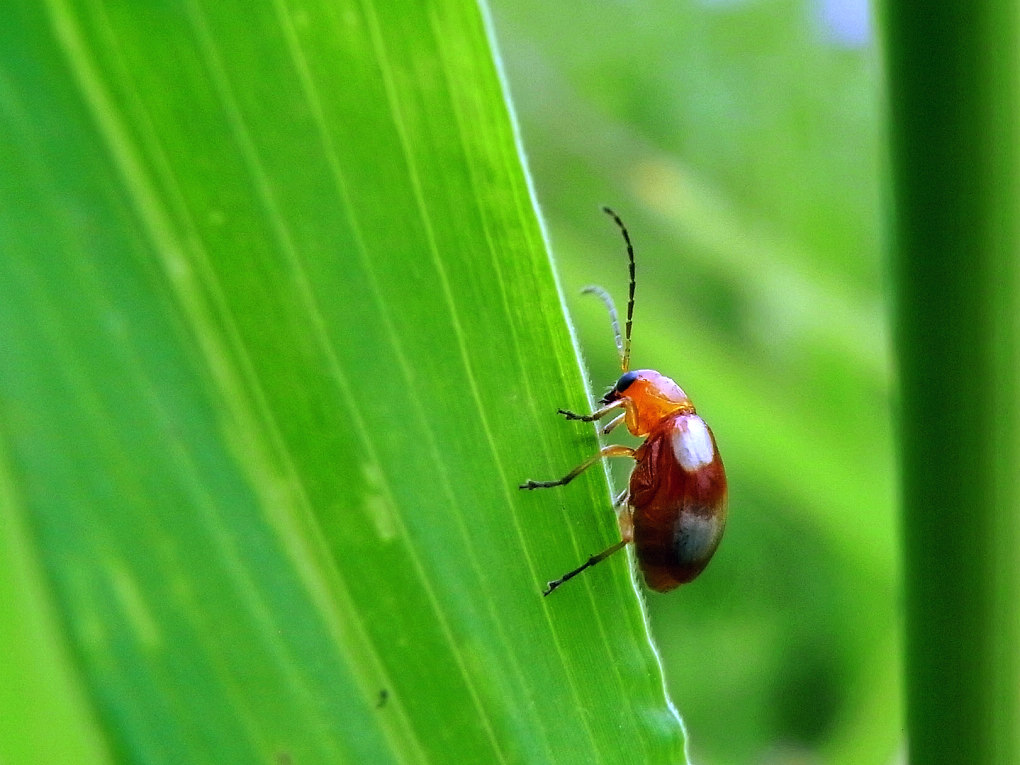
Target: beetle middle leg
(613, 450)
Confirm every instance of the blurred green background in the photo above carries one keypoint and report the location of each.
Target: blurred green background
(742, 144)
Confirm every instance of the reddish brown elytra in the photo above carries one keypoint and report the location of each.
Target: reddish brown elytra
(675, 507)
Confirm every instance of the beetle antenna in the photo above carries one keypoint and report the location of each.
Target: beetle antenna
(614, 319)
(625, 349)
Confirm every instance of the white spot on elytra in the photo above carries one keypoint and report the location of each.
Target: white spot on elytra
(696, 537)
(692, 443)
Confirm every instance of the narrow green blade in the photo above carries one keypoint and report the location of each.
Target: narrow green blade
(955, 98)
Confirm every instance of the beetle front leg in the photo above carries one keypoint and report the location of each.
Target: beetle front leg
(596, 415)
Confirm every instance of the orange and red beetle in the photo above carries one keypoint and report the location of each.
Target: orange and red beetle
(674, 509)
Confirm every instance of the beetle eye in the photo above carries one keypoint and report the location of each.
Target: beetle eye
(625, 382)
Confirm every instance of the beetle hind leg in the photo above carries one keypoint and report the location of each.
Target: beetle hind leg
(593, 560)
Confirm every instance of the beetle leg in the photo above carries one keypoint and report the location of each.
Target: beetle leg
(626, 521)
(608, 427)
(587, 564)
(613, 450)
(596, 415)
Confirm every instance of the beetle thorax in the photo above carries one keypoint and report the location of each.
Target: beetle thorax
(650, 398)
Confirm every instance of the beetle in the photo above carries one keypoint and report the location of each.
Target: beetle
(674, 508)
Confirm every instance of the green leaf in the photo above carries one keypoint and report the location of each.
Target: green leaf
(280, 339)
